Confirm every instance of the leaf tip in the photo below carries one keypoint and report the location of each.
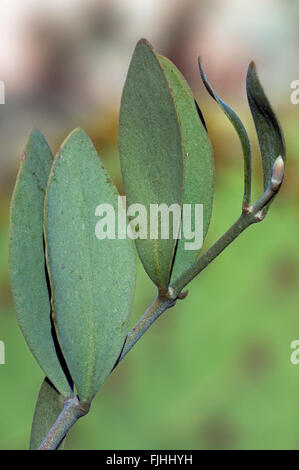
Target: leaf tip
(34, 134)
(35, 131)
(76, 133)
(200, 66)
(252, 71)
(141, 40)
(145, 42)
(205, 80)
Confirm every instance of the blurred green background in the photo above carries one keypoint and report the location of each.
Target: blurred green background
(215, 371)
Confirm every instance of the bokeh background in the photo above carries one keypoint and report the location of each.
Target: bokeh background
(215, 371)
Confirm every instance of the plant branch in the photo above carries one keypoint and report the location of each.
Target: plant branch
(250, 214)
(152, 313)
(232, 233)
(72, 411)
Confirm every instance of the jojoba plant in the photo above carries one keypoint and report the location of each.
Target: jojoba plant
(73, 293)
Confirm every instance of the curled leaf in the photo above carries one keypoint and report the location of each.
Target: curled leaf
(240, 129)
(269, 132)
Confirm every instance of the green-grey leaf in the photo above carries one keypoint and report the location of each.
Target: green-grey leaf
(92, 280)
(48, 407)
(199, 166)
(151, 152)
(267, 126)
(27, 259)
(240, 129)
